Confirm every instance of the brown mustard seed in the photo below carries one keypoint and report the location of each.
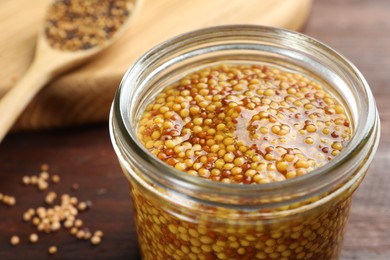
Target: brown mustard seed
(15, 240)
(245, 124)
(44, 167)
(52, 250)
(75, 186)
(73, 25)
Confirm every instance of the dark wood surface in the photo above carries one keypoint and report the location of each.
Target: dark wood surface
(360, 29)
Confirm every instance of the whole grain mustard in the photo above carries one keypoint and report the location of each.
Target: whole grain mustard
(243, 124)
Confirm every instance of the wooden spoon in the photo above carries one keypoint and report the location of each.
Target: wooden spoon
(49, 62)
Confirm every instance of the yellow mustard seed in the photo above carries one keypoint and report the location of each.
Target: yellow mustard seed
(53, 250)
(33, 238)
(245, 124)
(15, 240)
(95, 240)
(26, 180)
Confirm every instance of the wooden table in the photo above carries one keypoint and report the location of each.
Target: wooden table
(358, 29)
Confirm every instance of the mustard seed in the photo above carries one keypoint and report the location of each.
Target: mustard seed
(95, 240)
(42, 185)
(98, 233)
(53, 250)
(27, 216)
(87, 235)
(44, 167)
(55, 226)
(51, 219)
(245, 123)
(80, 234)
(34, 238)
(82, 206)
(33, 180)
(44, 175)
(15, 240)
(251, 124)
(73, 25)
(55, 179)
(78, 223)
(26, 180)
(36, 221)
(73, 230)
(8, 200)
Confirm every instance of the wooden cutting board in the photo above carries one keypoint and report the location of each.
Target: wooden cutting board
(85, 94)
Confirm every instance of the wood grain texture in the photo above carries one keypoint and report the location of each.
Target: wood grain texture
(358, 29)
(85, 95)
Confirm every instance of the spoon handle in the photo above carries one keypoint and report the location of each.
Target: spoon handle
(20, 95)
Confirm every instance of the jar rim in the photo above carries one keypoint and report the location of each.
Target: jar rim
(361, 147)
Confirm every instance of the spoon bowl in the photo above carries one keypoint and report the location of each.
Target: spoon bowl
(51, 61)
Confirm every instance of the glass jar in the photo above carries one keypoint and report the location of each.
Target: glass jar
(179, 216)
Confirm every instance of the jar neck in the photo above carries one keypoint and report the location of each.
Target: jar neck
(170, 60)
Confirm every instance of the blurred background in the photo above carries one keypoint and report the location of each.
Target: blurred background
(66, 127)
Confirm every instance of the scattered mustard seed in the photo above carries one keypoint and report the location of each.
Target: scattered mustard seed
(80, 234)
(51, 219)
(36, 221)
(7, 200)
(42, 185)
(33, 180)
(82, 206)
(73, 231)
(98, 233)
(15, 240)
(34, 238)
(75, 186)
(41, 180)
(55, 179)
(95, 240)
(26, 180)
(50, 197)
(11, 201)
(52, 250)
(27, 216)
(87, 235)
(78, 223)
(44, 175)
(44, 167)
